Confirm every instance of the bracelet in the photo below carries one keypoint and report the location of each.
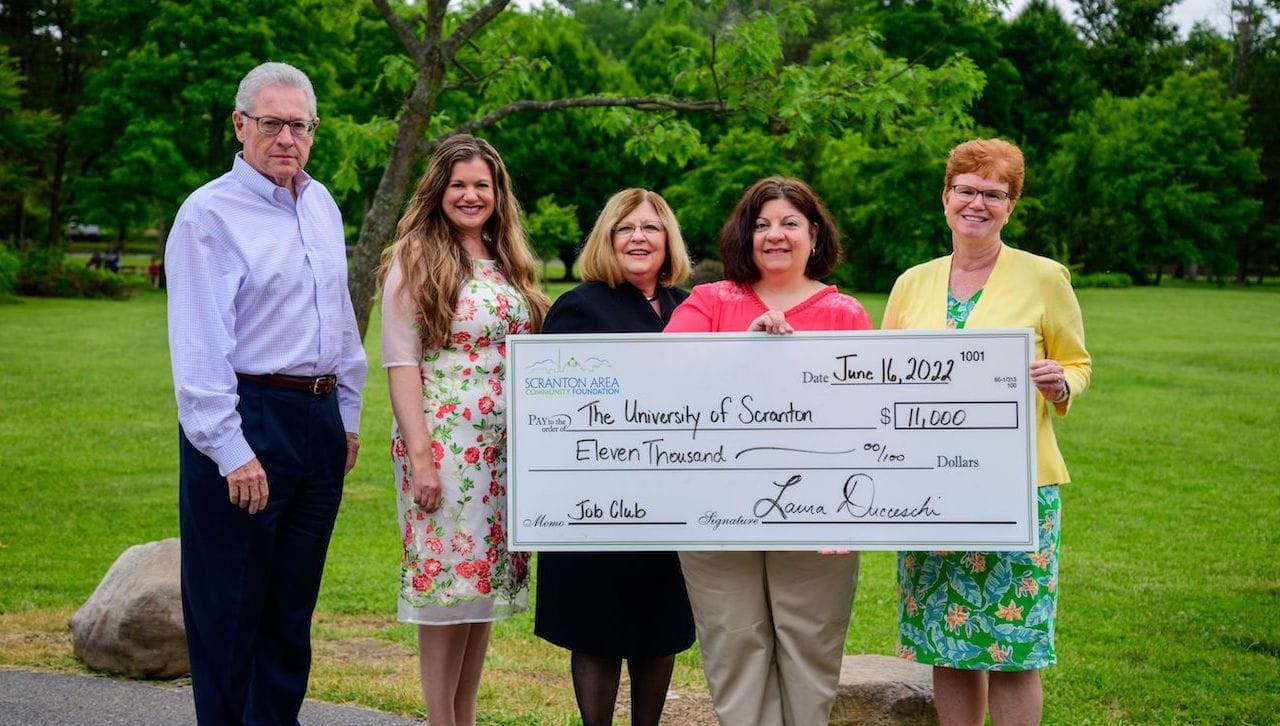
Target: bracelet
(1066, 392)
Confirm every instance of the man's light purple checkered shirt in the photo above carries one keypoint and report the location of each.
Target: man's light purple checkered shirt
(257, 284)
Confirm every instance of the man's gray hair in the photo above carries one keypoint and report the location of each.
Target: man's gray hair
(281, 75)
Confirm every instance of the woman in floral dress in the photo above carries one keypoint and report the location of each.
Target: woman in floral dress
(458, 280)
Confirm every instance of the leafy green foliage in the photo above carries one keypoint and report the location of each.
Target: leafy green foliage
(703, 197)
(9, 265)
(160, 107)
(886, 201)
(551, 226)
(1164, 179)
(667, 59)
(43, 273)
(1131, 43)
(23, 142)
(843, 93)
(932, 32)
(1101, 279)
(1052, 82)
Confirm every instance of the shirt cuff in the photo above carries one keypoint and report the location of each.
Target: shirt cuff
(232, 455)
(350, 421)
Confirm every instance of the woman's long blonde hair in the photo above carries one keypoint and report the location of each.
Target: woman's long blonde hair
(432, 260)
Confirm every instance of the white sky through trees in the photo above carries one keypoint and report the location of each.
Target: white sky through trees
(1184, 14)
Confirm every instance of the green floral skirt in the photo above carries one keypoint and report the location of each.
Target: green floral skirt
(990, 611)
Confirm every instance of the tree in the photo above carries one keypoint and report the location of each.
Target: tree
(613, 26)
(1255, 73)
(747, 72)
(1249, 56)
(930, 32)
(23, 135)
(1052, 79)
(51, 43)
(891, 217)
(157, 123)
(703, 196)
(1131, 43)
(570, 155)
(1161, 180)
(551, 226)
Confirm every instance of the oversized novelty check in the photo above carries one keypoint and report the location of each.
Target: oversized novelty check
(881, 440)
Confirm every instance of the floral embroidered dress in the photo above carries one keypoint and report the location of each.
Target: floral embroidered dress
(456, 567)
(982, 610)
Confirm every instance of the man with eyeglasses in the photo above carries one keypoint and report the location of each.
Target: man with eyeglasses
(267, 369)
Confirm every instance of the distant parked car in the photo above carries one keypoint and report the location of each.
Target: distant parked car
(80, 232)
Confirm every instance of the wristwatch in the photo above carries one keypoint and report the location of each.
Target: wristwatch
(1066, 392)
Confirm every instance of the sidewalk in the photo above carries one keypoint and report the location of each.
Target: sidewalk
(46, 699)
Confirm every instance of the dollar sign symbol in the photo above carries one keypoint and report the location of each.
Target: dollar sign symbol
(884, 416)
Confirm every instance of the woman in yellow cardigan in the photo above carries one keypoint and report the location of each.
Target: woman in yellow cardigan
(987, 643)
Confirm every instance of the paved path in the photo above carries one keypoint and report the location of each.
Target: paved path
(46, 699)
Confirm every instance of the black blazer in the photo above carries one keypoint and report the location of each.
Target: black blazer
(594, 307)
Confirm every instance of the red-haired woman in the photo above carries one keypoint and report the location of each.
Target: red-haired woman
(988, 639)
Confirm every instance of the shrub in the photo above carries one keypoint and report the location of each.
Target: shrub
(1102, 279)
(9, 265)
(842, 276)
(43, 275)
(706, 271)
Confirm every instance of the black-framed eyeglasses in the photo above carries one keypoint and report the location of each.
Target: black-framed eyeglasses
(967, 193)
(270, 126)
(648, 229)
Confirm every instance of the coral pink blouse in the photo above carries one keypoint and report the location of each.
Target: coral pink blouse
(728, 307)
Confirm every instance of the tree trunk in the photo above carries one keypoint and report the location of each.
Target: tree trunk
(162, 236)
(21, 241)
(568, 254)
(54, 239)
(380, 220)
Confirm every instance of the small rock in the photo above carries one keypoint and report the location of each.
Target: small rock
(877, 690)
(132, 624)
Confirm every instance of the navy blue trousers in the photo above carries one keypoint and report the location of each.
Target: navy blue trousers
(249, 582)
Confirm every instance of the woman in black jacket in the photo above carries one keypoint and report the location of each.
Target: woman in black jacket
(606, 607)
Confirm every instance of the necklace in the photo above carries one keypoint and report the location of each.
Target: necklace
(652, 299)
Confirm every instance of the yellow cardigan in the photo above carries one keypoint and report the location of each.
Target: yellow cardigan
(1024, 291)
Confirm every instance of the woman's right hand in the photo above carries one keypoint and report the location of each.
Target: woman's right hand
(773, 323)
(426, 488)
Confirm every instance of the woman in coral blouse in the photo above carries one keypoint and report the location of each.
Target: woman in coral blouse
(772, 624)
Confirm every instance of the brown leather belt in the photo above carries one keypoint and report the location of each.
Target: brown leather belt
(317, 386)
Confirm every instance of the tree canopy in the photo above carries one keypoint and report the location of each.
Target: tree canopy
(1146, 151)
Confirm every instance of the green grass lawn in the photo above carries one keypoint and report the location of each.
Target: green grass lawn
(1170, 601)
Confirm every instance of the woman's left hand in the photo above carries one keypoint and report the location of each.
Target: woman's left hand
(1049, 378)
(772, 322)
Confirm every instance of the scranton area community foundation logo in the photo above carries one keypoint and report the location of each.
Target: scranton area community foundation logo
(560, 376)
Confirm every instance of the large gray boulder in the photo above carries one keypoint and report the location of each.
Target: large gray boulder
(877, 690)
(132, 624)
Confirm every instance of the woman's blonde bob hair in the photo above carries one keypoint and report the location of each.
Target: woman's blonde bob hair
(432, 260)
(600, 264)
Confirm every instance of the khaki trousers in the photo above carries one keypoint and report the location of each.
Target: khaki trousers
(771, 626)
